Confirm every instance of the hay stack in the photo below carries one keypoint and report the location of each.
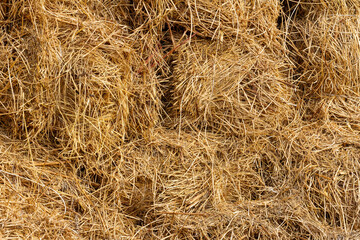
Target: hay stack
(203, 88)
(225, 88)
(178, 119)
(324, 37)
(73, 77)
(44, 196)
(329, 50)
(299, 182)
(210, 19)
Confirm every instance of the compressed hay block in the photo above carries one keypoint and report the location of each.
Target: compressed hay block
(75, 79)
(324, 38)
(220, 19)
(228, 19)
(40, 189)
(329, 54)
(228, 88)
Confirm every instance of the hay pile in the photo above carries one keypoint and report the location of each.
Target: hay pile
(179, 119)
(224, 89)
(326, 47)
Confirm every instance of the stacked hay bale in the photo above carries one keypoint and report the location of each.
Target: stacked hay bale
(228, 76)
(74, 87)
(178, 119)
(43, 196)
(229, 95)
(326, 48)
(226, 87)
(324, 42)
(203, 87)
(73, 77)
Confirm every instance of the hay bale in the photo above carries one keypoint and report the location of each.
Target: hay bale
(73, 78)
(222, 20)
(292, 185)
(83, 84)
(325, 47)
(329, 53)
(225, 88)
(229, 19)
(38, 188)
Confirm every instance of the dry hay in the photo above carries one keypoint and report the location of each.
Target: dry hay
(179, 119)
(218, 19)
(329, 53)
(159, 22)
(324, 36)
(226, 88)
(72, 78)
(202, 186)
(46, 197)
